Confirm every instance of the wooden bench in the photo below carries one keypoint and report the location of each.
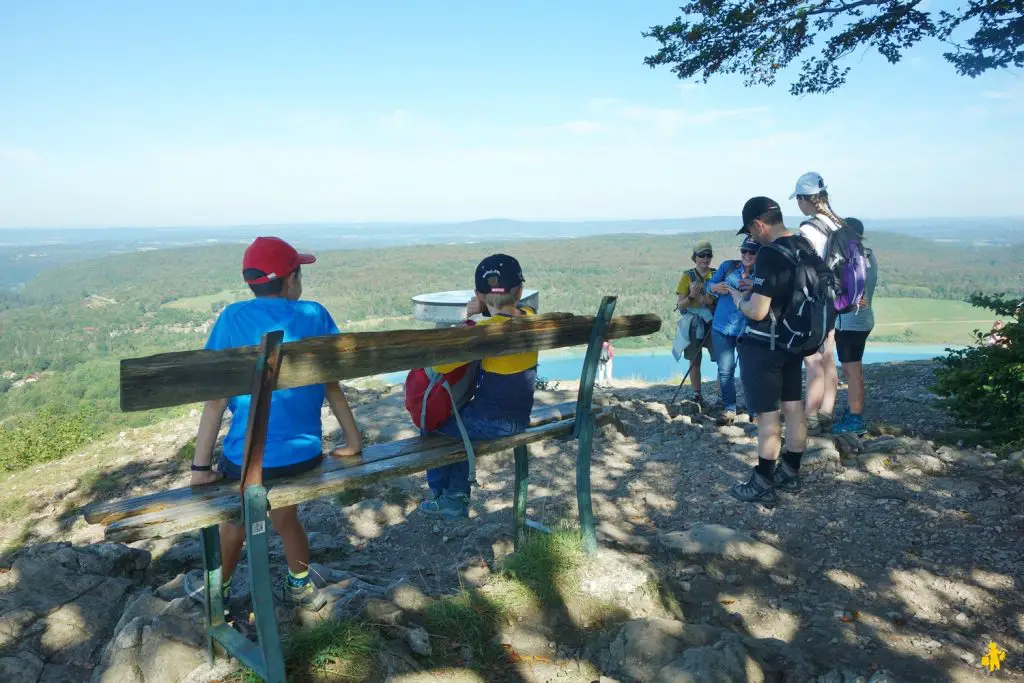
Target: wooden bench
(186, 377)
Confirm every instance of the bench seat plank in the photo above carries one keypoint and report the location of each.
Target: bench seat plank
(194, 514)
(112, 511)
(181, 377)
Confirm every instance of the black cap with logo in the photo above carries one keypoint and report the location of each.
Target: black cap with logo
(755, 208)
(498, 274)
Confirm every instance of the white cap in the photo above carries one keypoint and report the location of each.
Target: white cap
(809, 183)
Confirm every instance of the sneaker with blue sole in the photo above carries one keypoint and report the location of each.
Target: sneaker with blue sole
(447, 505)
(853, 424)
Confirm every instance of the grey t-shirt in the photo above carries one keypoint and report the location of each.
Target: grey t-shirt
(862, 319)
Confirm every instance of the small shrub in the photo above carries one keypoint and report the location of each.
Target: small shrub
(983, 384)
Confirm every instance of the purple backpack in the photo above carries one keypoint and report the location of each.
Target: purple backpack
(844, 256)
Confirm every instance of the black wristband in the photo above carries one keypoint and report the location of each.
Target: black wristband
(201, 468)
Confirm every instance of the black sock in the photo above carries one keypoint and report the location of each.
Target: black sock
(792, 459)
(765, 467)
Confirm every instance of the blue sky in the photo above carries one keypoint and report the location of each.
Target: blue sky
(210, 113)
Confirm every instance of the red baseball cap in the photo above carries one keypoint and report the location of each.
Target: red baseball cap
(273, 256)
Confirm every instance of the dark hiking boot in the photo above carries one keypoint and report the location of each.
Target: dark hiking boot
(785, 478)
(757, 489)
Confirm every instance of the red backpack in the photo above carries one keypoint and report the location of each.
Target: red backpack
(430, 396)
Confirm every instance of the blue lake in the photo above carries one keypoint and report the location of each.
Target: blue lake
(658, 365)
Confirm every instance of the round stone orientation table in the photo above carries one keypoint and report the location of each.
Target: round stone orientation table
(449, 308)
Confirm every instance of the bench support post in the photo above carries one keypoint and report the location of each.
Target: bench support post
(584, 429)
(256, 533)
(213, 584)
(265, 656)
(519, 501)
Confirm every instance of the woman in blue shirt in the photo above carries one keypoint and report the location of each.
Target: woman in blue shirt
(729, 323)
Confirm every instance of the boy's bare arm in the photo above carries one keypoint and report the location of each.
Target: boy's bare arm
(206, 440)
(341, 409)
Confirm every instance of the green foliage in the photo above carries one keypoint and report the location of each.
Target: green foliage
(759, 39)
(335, 650)
(45, 436)
(983, 384)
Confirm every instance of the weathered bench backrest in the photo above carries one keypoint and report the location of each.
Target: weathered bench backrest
(177, 378)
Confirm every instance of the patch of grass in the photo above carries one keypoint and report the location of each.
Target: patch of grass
(12, 508)
(468, 618)
(96, 481)
(332, 651)
(547, 563)
(187, 452)
(206, 302)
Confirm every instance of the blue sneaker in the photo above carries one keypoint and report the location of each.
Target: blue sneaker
(447, 505)
(853, 424)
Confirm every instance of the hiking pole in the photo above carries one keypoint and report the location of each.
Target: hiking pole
(687, 375)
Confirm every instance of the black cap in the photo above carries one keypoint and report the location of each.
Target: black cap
(856, 225)
(498, 274)
(754, 209)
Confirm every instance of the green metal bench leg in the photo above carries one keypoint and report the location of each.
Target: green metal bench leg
(256, 534)
(519, 501)
(586, 510)
(583, 432)
(212, 582)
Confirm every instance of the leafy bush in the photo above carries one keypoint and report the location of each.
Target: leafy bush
(983, 384)
(46, 435)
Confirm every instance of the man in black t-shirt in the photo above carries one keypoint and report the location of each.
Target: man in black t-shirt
(772, 379)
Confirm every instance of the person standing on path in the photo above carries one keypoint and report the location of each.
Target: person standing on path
(695, 303)
(852, 330)
(604, 364)
(728, 323)
(811, 196)
(771, 375)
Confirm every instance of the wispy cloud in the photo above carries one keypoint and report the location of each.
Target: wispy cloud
(667, 120)
(405, 123)
(19, 155)
(582, 127)
(998, 95)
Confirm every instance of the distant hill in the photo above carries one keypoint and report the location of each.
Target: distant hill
(24, 253)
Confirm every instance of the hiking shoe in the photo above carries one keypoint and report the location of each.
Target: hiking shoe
(194, 587)
(447, 505)
(785, 478)
(853, 424)
(826, 422)
(813, 425)
(307, 596)
(757, 489)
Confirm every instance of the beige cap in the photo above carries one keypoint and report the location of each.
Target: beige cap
(703, 245)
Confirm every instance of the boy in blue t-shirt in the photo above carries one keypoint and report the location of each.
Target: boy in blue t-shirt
(272, 269)
(503, 398)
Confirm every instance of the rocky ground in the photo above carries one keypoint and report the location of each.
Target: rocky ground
(899, 561)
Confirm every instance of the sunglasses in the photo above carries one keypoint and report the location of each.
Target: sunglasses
(704, 254)
(748, 252)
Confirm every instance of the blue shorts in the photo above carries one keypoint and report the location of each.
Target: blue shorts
(232, 471)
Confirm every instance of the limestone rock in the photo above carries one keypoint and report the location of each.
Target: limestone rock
(22, 667)
(643, 646)
(155, 641)
(419, 641)
(721, 541)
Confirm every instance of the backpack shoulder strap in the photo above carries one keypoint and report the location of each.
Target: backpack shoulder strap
(786, 252)
(818, 225)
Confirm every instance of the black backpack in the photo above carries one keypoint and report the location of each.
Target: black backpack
(810, 314)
